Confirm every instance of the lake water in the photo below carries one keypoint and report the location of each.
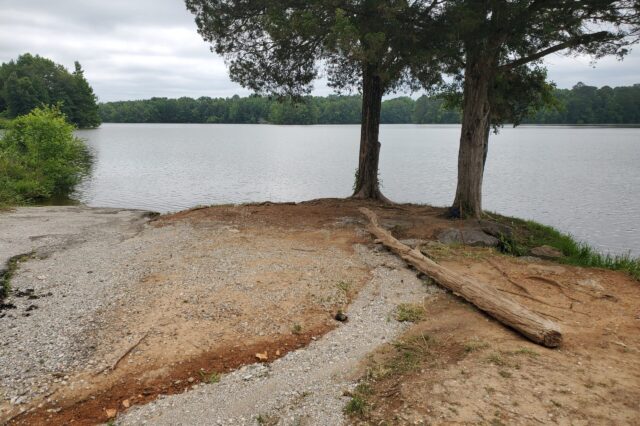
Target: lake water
(582, 180)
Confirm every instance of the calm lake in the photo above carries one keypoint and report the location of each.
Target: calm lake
(582, 180)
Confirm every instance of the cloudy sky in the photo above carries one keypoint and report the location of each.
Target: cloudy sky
(136, 49)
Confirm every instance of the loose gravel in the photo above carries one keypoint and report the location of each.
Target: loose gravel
(306, 387)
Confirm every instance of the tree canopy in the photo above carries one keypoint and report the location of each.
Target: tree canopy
(281, 47)
(32, 81)
(494, 48)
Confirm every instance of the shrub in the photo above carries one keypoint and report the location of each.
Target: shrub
(40, 157)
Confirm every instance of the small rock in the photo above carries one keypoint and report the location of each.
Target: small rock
(467, 236)
(341, 317)
(546, 252)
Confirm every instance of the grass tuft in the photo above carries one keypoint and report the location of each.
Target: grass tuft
(407, 312)
(357, 406)
(211, 378)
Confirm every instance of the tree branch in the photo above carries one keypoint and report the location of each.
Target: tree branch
(584, 39)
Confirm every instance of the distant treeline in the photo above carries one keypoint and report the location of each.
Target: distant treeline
(580, 105)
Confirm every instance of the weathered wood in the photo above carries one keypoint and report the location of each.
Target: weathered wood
(482, 295)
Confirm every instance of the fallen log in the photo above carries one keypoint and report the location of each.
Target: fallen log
(484, 296)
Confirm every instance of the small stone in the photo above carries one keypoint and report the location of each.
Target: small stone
(340, 316)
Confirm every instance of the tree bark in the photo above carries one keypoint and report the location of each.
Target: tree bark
(367, 185)
(474, 138)
(483, 295)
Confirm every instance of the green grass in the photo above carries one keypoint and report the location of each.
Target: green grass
(296, 329)
(211, 378)
(407, 312)
(7, 273)
(357, 406)
(528, 234)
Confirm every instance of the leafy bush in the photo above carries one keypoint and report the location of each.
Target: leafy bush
(40, 157)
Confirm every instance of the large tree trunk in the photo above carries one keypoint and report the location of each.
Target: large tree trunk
(474, 138)
(481, 294)
(367, 185)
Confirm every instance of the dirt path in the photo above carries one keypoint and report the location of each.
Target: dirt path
(307, 386)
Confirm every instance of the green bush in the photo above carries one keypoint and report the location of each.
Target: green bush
(40, 157)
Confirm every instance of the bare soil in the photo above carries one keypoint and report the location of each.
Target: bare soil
(468, 369)
(223, 284)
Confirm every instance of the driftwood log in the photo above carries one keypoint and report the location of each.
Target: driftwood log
(482, 295)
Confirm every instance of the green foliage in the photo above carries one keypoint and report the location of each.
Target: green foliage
(32, 81)
(529, 234)
(357, 406)
(579, 105)
(282, 47)
(211, 377)
(40, 157)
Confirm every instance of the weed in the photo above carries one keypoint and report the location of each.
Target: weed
(409, 313)
(357, 406)
(411, 354)
(296, 329)
(475, 345)
(496, 359)
(528, 352)
(211, 378)
(344, 286)
(363, 388)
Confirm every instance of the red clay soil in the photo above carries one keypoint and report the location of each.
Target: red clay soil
(103, 405)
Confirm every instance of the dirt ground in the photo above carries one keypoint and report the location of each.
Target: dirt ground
(458, 366)
(224, 284)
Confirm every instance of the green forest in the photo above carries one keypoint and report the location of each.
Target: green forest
(32, 81)
(580, 105)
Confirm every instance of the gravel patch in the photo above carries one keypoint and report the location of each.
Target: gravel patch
(306, 386)
(56, 294)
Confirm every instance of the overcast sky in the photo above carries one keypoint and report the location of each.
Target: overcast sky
(136, 49)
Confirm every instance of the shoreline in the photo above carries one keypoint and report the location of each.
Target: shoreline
(132, 302)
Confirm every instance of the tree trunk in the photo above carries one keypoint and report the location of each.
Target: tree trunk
(483, 295)
(474, 138)
(367, 185)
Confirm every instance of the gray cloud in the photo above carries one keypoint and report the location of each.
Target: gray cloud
(144, 48)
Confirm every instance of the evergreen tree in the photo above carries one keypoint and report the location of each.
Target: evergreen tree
(495, 48)
(281, 47)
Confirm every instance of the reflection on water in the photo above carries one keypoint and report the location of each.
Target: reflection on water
(583, 180)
